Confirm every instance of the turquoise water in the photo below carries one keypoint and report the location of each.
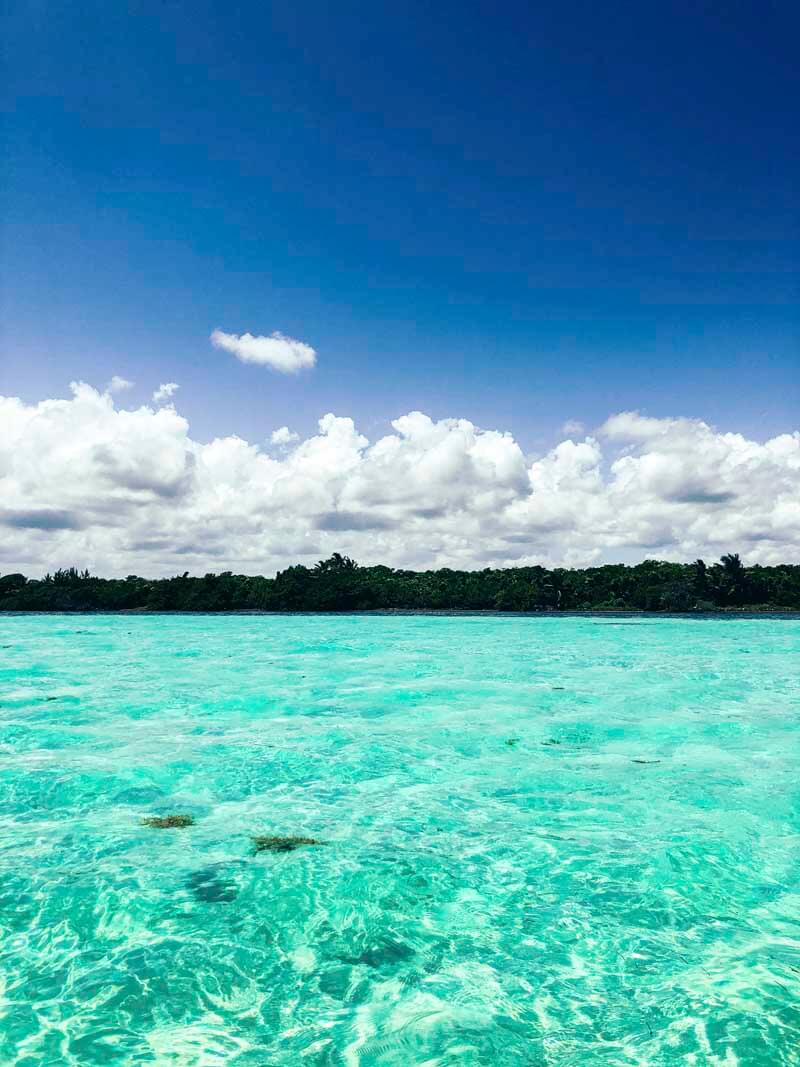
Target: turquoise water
(502, 882)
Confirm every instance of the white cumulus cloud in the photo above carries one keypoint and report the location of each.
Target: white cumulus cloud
(85, 482)
(118, 385)
(165, 392)
(572, 427)
(282, 353)
(284, 436)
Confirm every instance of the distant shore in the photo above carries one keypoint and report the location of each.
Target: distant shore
(551, 613)
(339, 585)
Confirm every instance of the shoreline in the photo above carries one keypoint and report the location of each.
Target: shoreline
(720, 613)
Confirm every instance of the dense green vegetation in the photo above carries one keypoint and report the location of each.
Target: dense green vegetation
(339, 584)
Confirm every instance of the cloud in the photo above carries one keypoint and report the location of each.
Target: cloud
(41, 519)
(118, 385)
(631, 426)
(282, 353)
(165, 391)
(572, 427)
(352, 520)
(129, 490)
(284, 436)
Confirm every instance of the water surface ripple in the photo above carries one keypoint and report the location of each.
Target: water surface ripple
(547, 841)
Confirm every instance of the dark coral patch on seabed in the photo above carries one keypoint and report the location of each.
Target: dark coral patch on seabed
(210, 886)
(282, 844)
(168, 822)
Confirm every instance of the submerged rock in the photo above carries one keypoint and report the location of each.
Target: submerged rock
(384, 952)
(512, 741)
(282, 844)
(210, 887)
(168, 822)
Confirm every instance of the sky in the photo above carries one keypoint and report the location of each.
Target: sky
(528, 220)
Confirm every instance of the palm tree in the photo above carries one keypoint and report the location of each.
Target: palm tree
(335, 564)
(733, 566)
(734, 578)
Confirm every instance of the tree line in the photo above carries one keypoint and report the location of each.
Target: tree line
(340, 584)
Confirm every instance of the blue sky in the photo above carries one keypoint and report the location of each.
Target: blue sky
(517, 215)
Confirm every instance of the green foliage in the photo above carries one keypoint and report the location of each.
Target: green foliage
(12, 583)
(339, 584)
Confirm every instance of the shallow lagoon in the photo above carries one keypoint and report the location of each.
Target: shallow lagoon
(549, 841)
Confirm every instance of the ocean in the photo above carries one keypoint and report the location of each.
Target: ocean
(555, 841)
